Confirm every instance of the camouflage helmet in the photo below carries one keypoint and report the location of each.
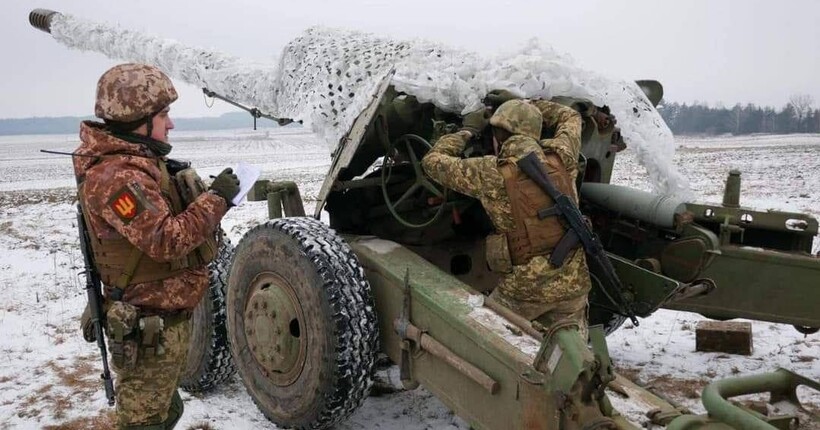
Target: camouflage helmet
(518, 117)
(131, 92)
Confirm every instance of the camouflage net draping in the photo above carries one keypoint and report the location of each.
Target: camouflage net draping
(326, 77)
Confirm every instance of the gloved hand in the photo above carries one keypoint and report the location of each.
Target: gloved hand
(496, 98)
(476, 121)
(226, 185)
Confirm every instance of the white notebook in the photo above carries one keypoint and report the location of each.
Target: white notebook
(247, 175)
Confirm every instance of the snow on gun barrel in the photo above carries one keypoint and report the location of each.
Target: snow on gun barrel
(326, 77)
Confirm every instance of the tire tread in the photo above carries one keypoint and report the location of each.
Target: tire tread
(218, 365)
(352, 312)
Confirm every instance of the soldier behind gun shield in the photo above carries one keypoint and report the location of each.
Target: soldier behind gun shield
(522, 244)
(150, 236)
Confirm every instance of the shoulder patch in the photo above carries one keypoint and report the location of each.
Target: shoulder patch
(126, 205)
(136, 188)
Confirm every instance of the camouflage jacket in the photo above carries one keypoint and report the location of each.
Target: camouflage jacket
(150, 225)
(538, 280)
(567, 124)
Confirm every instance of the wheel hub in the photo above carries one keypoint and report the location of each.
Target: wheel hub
(273, 329)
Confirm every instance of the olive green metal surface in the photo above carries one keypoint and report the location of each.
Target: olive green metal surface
(441, 307)
(752, 218)
(648, 290)
(781, 384)
(760, 284)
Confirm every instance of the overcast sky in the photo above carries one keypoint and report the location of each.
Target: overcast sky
(707, 50)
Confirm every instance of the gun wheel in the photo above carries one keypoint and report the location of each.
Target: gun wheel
(302, 323)
(209, 356)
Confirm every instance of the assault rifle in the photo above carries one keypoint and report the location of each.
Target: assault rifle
(93, 287)
(579, 231)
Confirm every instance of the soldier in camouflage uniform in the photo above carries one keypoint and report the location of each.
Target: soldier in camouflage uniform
(148, 243)
(522, 244)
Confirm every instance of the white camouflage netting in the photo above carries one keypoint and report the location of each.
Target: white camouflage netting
(326, 77)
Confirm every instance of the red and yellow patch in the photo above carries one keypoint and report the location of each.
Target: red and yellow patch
(125, 204)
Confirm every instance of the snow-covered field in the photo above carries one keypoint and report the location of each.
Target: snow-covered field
(49, 375)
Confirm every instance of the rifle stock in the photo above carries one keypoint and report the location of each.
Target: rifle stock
(596, 255)
(93, 288)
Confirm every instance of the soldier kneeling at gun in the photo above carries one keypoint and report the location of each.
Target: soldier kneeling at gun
(148, 227)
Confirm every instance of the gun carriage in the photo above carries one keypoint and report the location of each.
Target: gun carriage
(401, 269)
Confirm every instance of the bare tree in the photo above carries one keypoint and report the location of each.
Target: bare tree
(737, 113)
(802, 104)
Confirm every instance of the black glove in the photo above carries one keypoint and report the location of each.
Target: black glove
(496, 98)
(476, 121)
(226, 185)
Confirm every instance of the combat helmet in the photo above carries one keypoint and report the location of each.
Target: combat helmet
(133, 93)
(518, 117)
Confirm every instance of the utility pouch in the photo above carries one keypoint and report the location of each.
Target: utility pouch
(87, 325)
(207, 251)
(122, 321)
(498, 253)
(151, 329)
(190, 186)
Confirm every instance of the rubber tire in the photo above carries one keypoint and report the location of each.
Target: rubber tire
(341, 328)
(209, 355)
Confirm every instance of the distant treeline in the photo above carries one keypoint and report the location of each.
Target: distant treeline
(71, 124)
(795, 117)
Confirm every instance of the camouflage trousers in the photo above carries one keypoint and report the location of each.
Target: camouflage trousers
(539, 281)
(147, 396)
(549, 315)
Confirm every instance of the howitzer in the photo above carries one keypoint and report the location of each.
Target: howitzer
(308, 306)
(760, 260)
(93, 287)
(578, 231)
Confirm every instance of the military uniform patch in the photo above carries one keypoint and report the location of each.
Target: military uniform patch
(126, 205)
(140, 195)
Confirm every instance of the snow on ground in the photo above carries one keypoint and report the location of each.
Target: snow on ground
(777, 172)
(49, 375)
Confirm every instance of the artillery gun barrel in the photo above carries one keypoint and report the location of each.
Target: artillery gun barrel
(224, 74)
(652, 208)
(41, 19)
